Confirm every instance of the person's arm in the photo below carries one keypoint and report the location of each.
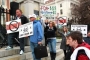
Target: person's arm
(46, 28)
(82, 57)
(61, 33)
(55, 29)
(40, 32)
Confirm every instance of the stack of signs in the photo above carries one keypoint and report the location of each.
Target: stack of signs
(26, 30)
(81, 28)
(13, 26)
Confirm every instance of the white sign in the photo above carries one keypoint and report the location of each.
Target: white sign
(48, 11)
(81, 28)
(13, 26)
(26, 30)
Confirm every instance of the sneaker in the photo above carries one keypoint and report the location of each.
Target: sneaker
(21, 52)
(8, 48)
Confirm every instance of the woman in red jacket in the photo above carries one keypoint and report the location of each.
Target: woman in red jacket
(81, 50)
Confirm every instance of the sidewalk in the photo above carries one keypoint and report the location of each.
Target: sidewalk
(14, 54)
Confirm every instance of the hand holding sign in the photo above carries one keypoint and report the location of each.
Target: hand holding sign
(26, 30)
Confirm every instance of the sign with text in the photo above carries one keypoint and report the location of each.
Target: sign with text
(48, 11)
(81, 28)
(13, 26)
(26, 30)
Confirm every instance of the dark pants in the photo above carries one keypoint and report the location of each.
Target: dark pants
(68, 53)
(64, 52)
(46, 42)
(12, 37)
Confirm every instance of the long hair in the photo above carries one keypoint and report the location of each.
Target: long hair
(66, 28)
(53, 24)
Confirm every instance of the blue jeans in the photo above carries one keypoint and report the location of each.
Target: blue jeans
(52, 45)
(33, 45)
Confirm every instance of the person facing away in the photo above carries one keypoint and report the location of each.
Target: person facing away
(46, 24)
(63, 42)
(51, 39)
(81, 50)
(87, 39)
(37, 36)
(12, 36)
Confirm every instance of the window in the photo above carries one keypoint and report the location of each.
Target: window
(61, 11)
(60, 5)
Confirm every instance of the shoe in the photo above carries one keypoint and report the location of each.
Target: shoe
(53, 55)
(21, 52)
(8, 48)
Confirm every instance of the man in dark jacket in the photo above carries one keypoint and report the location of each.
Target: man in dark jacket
(16, 34)
(87, 39)
(45, 28)
(81, 50)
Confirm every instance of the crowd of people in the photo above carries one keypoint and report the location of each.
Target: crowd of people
(73, 44)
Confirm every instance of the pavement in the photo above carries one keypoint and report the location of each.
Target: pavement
(14, 53)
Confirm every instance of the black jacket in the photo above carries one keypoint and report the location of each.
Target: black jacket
(24, 19)
(50, 33)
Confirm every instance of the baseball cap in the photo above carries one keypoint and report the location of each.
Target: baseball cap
(33, 15)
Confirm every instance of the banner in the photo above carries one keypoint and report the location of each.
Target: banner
(81, 28)
(48, 11)
(26, 30)
(13, 26)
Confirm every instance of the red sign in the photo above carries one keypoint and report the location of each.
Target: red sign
(62, 21)
(13, 26)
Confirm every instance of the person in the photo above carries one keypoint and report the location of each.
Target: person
(69, 50)
(63, 42)
(51, 38)
(45, 29)
(11, 36)
(81, 50)
(37, 36)
(87, 39)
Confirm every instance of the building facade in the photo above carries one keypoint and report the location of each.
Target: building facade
(4, 4)
(63, 7)
(27, 6)
(31, 7)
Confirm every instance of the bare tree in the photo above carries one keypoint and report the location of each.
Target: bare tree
(82, 11)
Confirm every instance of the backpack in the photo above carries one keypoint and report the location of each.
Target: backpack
(80, 52)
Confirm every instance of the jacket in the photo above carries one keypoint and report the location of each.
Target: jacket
(24, 19)
(63, 42)
(83, 56)
(50, 33)
(87, 40)
(37, 32)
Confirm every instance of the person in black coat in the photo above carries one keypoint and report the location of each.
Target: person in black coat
(51, 38)
(87, 39)
(12, 36)
(45, 30)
